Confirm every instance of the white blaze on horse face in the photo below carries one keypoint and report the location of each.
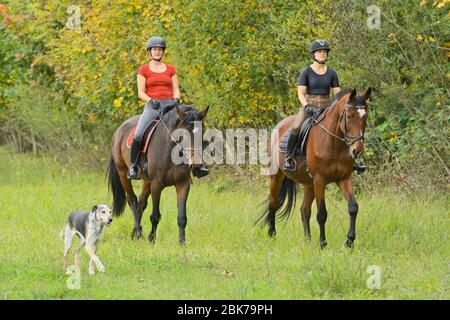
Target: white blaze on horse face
(361, 112)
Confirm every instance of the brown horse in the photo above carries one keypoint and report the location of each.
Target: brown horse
(161, 170)
(333, 145)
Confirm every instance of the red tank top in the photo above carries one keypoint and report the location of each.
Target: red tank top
(158, 85)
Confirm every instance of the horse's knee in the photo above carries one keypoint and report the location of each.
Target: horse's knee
(322, 215)
(182, 222)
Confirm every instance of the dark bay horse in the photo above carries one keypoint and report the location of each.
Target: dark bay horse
(162, 171)
(331, 150)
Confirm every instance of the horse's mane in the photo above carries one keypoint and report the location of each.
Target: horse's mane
(191, 114)
(340, 94)
(358, 100)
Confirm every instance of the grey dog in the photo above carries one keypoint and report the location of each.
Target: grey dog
(88, 226)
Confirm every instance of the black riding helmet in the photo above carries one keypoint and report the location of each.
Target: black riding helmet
(156, 42)
(318, 45)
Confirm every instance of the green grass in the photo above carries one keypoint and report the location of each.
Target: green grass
(225, 257)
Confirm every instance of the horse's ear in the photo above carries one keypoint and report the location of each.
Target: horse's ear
(203, 113)
(94, 208)
(180, 113)
(366, 95)
(352, 95)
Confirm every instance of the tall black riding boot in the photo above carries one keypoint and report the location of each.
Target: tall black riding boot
(289, 163)
(134, 171)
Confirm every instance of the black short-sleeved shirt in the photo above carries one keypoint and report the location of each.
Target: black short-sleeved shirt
(317, 83)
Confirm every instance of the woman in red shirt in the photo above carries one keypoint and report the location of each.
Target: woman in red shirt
(156, 81)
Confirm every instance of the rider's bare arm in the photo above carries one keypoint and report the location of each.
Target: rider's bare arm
(301, 95)
(176, 88)
(141, 89)
(336, 90)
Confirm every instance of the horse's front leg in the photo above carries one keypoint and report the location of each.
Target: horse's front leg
(319, 192)
(347, 190)
(156, 214)
(131, 197)
(182, 194)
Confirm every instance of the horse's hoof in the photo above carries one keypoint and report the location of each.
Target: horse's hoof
(182, 243)
(272, 233)
(151, 238)
(136, 234)
(323, 245)
(349, 244)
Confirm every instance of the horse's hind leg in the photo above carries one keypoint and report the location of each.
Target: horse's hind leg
(305, 209)
(347, 190)
(131, 199)
(319, 192)
(156, 214)
(142, 205)
(276, 182)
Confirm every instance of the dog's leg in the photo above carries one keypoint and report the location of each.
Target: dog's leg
(91, 267)
(91, 251)
(81, 243)
(68, 240)
(91, 248)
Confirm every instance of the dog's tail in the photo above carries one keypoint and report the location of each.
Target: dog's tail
(114, 185)
(62, 233)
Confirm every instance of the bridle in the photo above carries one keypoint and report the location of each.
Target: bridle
(348, 139)
(188, 149)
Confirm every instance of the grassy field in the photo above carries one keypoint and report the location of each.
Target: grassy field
(225, 257)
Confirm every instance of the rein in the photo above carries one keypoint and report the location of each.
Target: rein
(175, 140)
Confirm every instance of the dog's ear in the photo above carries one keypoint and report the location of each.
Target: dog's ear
(94, 208)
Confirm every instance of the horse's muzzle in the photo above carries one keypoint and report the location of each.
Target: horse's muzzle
(356, 149)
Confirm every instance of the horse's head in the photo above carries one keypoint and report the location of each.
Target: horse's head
(191, 121)
(352, 121)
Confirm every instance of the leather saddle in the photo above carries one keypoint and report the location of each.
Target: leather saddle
(164, 107)
(317, 116)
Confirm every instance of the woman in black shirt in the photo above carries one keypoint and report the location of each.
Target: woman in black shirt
(314, 86)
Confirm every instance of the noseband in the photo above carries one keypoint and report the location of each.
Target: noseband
(348, 139)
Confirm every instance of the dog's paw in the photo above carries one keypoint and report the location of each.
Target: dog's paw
(101, 269)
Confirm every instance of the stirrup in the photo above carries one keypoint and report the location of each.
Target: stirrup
(200, 172)
(290, 169)
(360, 169)
(137, 171)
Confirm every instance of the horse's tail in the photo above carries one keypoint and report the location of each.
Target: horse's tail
(114, 185)
(289, 189)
